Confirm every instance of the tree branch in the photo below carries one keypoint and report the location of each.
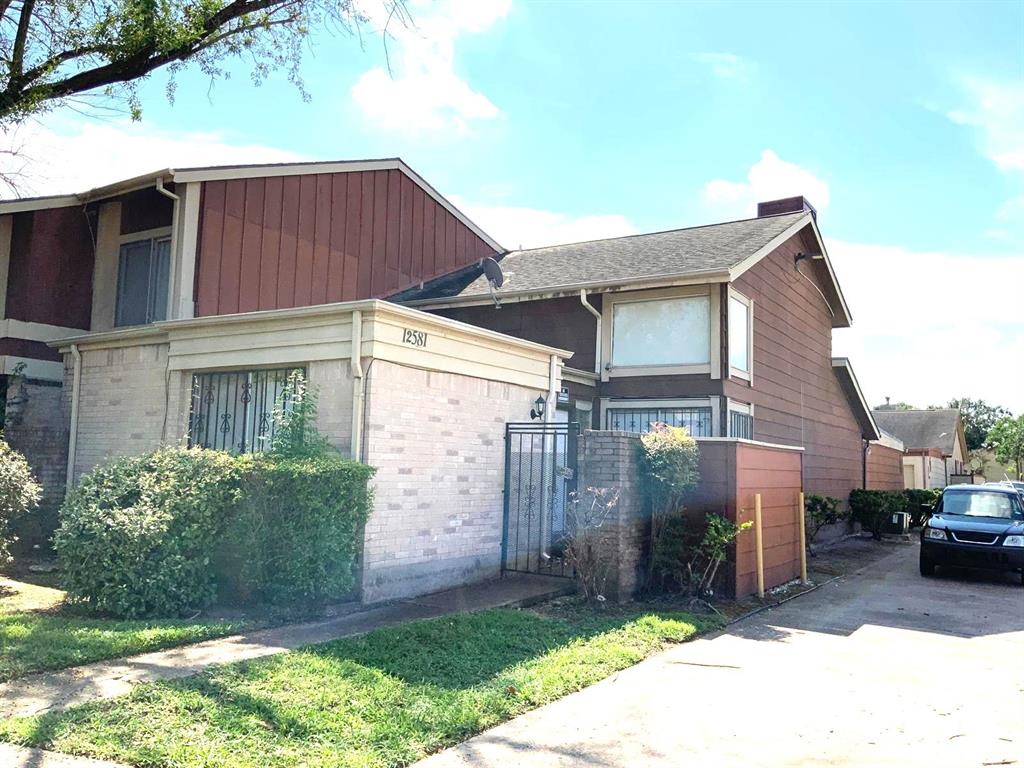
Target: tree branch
(18, 54)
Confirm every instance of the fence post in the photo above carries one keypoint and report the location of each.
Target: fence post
(801, 515)
(758, 544)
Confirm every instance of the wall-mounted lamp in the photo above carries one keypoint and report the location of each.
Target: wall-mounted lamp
(538, 412)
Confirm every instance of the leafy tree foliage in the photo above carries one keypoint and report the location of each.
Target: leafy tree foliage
(979, 417)
(53, 51)
(1007, 440)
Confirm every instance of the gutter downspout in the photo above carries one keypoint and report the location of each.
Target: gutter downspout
(175, 259)
(549, 411)
(357, 384)
(76, 381)
(597, 344)
(864, 463)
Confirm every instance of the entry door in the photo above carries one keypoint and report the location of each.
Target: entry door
(908, 476)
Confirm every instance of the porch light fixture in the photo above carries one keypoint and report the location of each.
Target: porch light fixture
(538, 412)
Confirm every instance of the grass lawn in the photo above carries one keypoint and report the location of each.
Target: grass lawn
(37, 632)
(384, 699)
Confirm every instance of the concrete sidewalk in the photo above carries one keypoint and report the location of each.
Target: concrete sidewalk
(881, 669)
(52, 691)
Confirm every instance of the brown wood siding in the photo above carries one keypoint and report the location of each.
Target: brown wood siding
(562, 323)
(796, 395)
(145, 209)
(885, 468)
(50, 273)
(37, 350)
(276, 242)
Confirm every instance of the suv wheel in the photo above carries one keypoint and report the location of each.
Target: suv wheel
(928, 567)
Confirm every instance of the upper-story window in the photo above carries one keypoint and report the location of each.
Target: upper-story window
(661, 332)
(143, 272)
(740, 335)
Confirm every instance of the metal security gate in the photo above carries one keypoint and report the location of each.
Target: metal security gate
(540, 478)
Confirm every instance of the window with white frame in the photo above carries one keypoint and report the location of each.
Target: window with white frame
(740, 341)
(698, 419)
(741, 421)
(661, 332)
(143, 273)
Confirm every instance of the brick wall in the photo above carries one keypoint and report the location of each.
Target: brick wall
(608, 460)
(436, 440)
(128, 403)
(35, 426)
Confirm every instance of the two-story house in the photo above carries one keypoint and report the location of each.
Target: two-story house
(170, 307)
(725, 329)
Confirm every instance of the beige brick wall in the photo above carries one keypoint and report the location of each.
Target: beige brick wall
(128, 403)
(437, 440)
(124, 395)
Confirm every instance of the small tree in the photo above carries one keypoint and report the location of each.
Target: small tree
(979, 417)
(295, 432)
(584, 553)
(711, 552)
(820, 511)
(19, 493)
(1007, 440)
(669, 468)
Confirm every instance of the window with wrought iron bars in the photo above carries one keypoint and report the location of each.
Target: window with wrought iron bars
(234, 410)
(696, 420)
(741, 425)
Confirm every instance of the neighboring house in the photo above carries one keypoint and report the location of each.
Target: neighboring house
(199, 242)
(935, 446)
(725, 329)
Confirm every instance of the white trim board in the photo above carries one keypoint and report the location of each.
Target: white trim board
(20, 329)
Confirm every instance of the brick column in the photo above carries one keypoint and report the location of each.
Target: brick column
(609, 460)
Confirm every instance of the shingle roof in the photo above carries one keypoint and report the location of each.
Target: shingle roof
(709, 248)
(921, 429)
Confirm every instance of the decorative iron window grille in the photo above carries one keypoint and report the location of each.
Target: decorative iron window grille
(696, 420)
(741, 425)
(234, 411)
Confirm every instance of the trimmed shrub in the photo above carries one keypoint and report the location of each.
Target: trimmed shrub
(137, 535)
(19, 494)
(821, 511)
(919, 503)
(668, 459)
(294, 536)
(872, 508)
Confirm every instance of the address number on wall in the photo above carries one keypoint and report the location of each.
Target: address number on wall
(415, 338)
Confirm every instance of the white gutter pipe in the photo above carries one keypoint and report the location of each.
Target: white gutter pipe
(357, 384)
(76, 381)
(171, 313)
(552, 404)
(597, 343)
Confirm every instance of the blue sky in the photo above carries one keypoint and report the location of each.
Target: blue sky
(903, 123)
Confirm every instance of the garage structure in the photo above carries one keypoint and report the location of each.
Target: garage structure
(422, 398)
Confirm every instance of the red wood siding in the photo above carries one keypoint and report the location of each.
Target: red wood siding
(797, 397)
(50, 274)
(289, 241)
(776, 475)
(885, 468)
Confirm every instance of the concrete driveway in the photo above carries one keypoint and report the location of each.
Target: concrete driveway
(883, 668)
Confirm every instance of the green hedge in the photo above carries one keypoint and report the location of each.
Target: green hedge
(294, 536)
(137, 535)
(19, 493)
(871, 508)
(919, 502)
(162, 534)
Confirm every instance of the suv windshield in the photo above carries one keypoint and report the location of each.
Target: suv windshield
(981, 504)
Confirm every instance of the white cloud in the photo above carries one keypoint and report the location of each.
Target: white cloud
(73, 157)
(769, 178)
(516, 227)
(931, 326)
(997, 110)
(726, 66)
(424, 92)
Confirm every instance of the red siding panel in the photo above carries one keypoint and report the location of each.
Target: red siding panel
(50, 271)
(288, 241)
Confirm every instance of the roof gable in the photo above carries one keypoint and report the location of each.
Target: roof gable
(936, 428)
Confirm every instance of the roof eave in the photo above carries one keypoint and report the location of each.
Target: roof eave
(843, 364)
(560, 291)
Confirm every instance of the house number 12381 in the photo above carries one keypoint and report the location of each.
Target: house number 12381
(416, 338)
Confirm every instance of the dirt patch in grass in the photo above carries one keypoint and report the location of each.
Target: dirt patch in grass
(387, 698)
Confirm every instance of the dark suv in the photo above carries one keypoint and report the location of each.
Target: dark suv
(975, 526)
